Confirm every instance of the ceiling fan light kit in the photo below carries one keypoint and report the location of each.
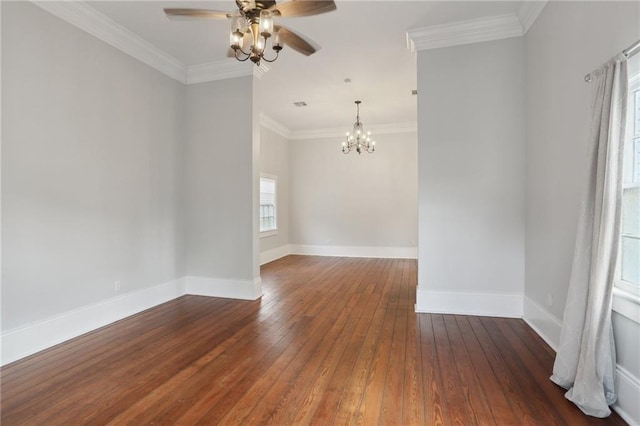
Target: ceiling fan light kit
(252, 33)
(252, 26)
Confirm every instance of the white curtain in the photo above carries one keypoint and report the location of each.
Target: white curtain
(586, 361)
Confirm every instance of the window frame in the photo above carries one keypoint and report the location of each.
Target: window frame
(274, 231)
(626, 295)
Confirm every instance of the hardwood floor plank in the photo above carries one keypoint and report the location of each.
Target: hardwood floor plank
(332, 341)
(392, 400)
(369, 410)
(355, 389)
(532, 396)
(470, 385)
(452, 386)
(274, 383)
(433, 384)
(165, 357)
(293, 398)
(490, 386)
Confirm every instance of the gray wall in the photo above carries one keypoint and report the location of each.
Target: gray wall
(219, 180)
(568, 40)
(91, 169)
(471, 162)
(274, 161)
(365, 200)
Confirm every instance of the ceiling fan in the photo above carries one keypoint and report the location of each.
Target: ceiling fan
(252, 25)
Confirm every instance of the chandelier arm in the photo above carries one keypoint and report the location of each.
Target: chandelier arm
(239, 58)
(270, 60)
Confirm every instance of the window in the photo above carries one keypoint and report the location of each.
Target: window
(629, 274)
(268, 216)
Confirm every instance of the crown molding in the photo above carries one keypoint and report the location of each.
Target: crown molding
(464, 32)
(278, 128)
(220, 70)
(528, 12)
(88, 19)
(217, 70)
(375, 129)
(285, 132)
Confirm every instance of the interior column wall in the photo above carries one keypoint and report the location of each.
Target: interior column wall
(219, 192)
(471, 127)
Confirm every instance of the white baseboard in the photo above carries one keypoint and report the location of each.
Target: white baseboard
(215, 287)
(32, 338)
(274, 254)
(507, 305)
(547, 325)
(24, 341)
(356, 251)
(628, 397)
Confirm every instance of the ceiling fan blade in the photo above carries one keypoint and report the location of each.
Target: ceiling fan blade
(183, 14)
(296, 42)
(294, 8)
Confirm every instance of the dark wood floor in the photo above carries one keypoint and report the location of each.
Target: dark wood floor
(333, 341)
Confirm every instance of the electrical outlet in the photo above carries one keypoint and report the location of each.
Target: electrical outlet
(116, 286)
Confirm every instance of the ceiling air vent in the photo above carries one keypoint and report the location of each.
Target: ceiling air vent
(300, 104)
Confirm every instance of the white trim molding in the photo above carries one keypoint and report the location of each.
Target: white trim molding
(547, 325)
(227, 288)
(626, 304)
(83, 16)
(27, 340)
(508, 305)
(276, 127)
(88, 19)
(274, 254)
(221, 70)
(32, 338)
(464, 32)
(529, 11)
(628, 396)
(377, 129)
(353, 251)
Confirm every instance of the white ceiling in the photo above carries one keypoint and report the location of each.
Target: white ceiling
(362, 40)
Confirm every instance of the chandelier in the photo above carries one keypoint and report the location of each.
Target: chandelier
(250, 32)
(357, 139)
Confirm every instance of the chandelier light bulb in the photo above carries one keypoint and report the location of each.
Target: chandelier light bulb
(266, 24)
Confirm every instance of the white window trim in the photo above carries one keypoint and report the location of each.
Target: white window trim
(626, 302)
(271, 232)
